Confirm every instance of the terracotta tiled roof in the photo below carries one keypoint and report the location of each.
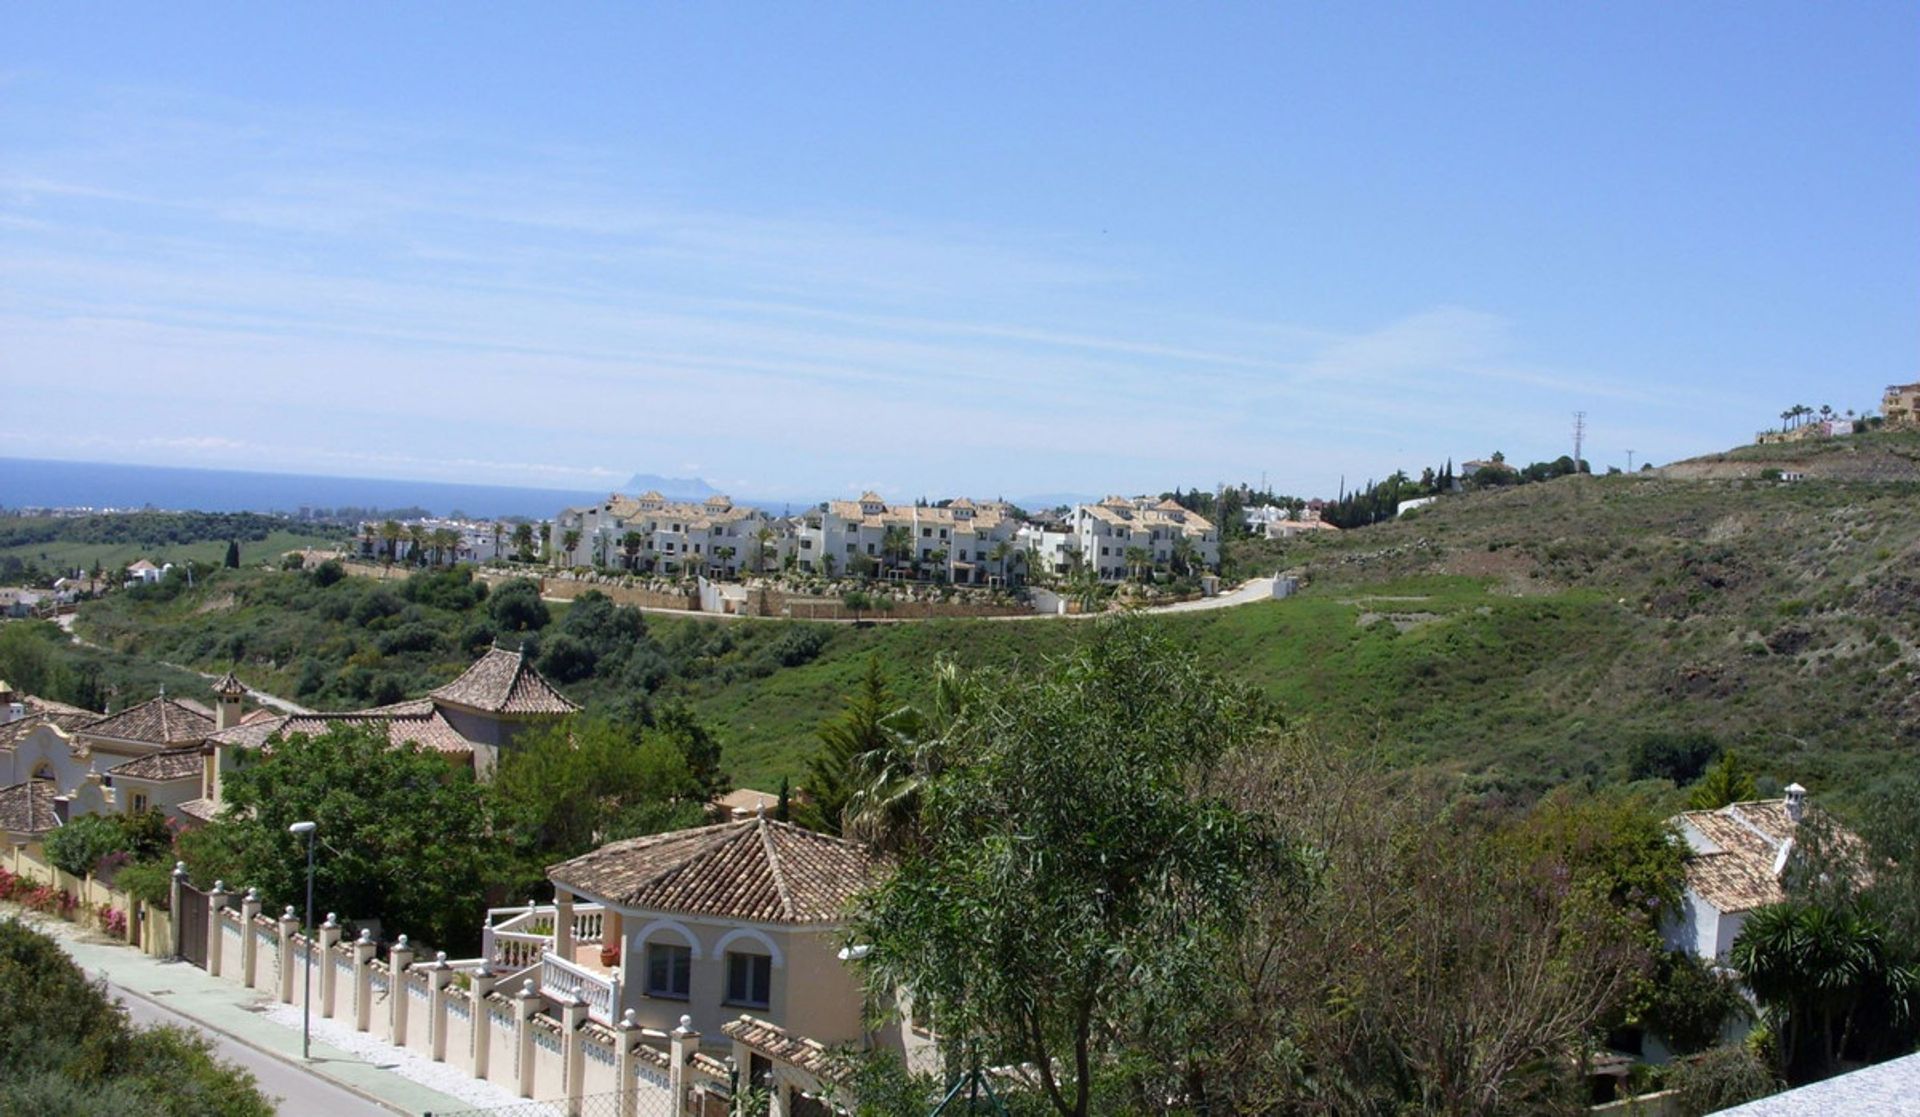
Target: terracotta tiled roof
(201, 809)
(415, 721)
(161, 721)
(167, 764)
(758, 869)
(230, 684)
(1735, 853)
(502, 682)
(27, 808)
(251, 733)
(12, 732)
(777, 1043)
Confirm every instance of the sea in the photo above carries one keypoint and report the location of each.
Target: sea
(30, 483)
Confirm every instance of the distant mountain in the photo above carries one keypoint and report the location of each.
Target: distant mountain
(1040, 502)
(673, 488)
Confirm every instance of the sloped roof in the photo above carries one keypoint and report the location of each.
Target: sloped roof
(67, 723)
(502, 682)
(27, 808)
(756, 869)
(1735, 868)
(167, 764)
(230, 685)
(201, 809)
(162, 721)
(775, 1042)
(417, 721)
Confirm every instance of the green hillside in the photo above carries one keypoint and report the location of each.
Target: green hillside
(1518, 637)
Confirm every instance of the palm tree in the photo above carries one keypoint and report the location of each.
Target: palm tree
(368, 534)
(631, 543)
(999, 555)
(1813, 969)
(761, 539)
(1136, 561)
(721, 557)
(569, 540)
(1182, 554)
(890, 779)
(897, 544)
(523, 542)
(390, 533)
(417, 535)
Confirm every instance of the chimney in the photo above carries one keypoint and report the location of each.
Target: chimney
(62, 806)
(1796, 802)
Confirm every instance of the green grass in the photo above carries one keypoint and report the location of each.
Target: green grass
(111, 556)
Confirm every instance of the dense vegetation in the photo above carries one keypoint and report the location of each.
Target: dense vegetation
(65, 1049)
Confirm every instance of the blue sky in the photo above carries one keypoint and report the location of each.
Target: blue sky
(984, 248)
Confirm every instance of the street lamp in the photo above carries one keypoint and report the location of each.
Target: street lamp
(306, 996)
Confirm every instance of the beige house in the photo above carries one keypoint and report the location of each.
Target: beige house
(1112, 533)
(740, 918)
(714, 537)
(1901, 405)
(965, 541)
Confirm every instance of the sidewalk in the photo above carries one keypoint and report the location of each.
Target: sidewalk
(235, 1013)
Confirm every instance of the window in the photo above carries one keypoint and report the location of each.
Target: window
(749, 979)
(669, 971)
(927, 533)
(139, 801)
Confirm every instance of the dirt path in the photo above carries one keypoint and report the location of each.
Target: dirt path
(271, 701)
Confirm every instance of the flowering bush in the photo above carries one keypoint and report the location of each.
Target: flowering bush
(12, 885)
(113, 921)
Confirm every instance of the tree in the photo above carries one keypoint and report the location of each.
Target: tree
(1817, 971)
(77, 847)
(567, 788)
(523, 542)
(1136, 561)
(630, 544)
(762, 541)
(516, 606)
(896, 543)
(390, 533)
(1074, 885)
(233, 554)
(67, 1049)
(407, 837)
(833, 770)
(1727, 781)
(569, 542)
(1001, 549)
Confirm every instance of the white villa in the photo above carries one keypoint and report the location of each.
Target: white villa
(966, 542)
(1737, 856)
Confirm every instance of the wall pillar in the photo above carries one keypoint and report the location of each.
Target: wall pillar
(399, 960)
(363, 952)
(329, 937)
(249, 945)
(527, 1002)
(289, 923)
(563, 923)
(174, 896)
(439, 974)
(216, 936)
(625, 1061)
(573, 1017)
(682, 1044)
(481, 1023)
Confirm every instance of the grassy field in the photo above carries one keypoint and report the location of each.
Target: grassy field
(1518, 638)
(111, 556)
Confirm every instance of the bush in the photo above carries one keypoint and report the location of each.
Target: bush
(68, 1050)
(79, 845)
(516, 606)
(150, 882)
(1720, 1079)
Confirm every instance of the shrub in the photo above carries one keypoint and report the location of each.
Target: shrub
(516, 606)
(1721, 1078)
(79, 845)
(150, 882)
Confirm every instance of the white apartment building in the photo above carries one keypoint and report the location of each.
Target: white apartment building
(476, 540)
(1106, 532)
(714, 537)
(973, 543)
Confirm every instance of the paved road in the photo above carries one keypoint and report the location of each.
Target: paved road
(297, 1093)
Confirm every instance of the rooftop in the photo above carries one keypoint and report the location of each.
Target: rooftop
(167, 764)
(756, 869)
(777, 1043)
(1736, 851)
(27, 808)
(502, 682)
(161, 721)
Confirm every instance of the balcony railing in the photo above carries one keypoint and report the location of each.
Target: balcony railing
(516, 938)
(601, 991)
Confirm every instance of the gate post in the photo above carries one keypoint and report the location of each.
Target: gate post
(573, 1017)
(623, 1061)
(480, 1022)
(528, 1004)
(216, 903)
(174, 907)
(682, 1044)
